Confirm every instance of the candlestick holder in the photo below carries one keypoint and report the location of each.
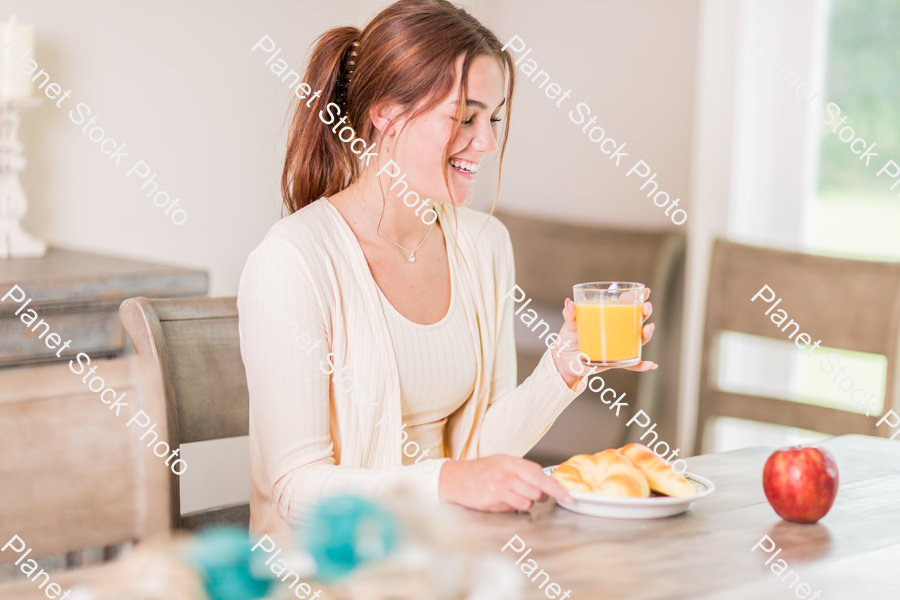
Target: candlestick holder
(14, 242)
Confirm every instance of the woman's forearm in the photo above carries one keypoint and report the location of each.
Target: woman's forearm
(517, 419)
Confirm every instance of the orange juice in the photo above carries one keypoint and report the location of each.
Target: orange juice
(610, 331)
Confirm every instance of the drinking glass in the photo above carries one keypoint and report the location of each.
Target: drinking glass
(609, 316)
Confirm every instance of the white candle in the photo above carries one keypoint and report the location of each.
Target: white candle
(14, 83)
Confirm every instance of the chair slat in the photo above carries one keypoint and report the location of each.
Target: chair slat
(176, 309)
(792, 414)
(847, 304)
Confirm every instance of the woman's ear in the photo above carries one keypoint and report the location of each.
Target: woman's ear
(382, 117)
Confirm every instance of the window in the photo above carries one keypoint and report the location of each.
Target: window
(797, 184)
(855, 214)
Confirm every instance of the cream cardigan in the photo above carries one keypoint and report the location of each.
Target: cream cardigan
(308, 281)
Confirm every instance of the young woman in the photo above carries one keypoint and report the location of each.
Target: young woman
(374, 337)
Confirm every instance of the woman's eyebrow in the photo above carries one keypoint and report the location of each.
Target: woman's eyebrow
(477, 103)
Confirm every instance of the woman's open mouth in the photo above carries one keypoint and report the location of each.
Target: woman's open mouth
(465, 167)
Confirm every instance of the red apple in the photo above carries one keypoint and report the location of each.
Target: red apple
(801, 483)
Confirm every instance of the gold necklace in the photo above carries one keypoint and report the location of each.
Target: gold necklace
(412, 253)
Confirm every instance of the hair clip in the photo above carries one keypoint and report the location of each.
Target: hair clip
(349, 67)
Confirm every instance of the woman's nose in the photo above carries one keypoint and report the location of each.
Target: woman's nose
(484, 141)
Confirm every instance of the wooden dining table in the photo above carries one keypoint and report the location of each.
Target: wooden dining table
(705, 553)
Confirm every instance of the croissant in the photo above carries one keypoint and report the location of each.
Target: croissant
(659, 475)
(606, 473)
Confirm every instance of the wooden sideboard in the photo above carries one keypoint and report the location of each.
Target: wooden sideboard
(79, 295)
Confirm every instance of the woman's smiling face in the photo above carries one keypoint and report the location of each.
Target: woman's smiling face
(420, 152)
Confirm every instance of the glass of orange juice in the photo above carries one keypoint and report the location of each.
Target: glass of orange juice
(609, 316)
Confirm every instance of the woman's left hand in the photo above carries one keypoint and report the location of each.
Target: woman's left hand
(565, 353)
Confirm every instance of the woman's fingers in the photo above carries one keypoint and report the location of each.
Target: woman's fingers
(509, 504)
(546, 484)
(629, 296)
(514, 500)
(524, 489)
(569, 316)
(644, 365)
(530, 485)
(648, 310)
(498, 483)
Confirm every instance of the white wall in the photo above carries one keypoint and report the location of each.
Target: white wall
(776, 147)
(177, 82)
(633, 64)
(711, 184)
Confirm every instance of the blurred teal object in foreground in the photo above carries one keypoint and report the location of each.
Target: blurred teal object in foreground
(346, 532)
(223, 558)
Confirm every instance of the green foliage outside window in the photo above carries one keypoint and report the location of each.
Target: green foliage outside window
(862, 77)
(856, 215)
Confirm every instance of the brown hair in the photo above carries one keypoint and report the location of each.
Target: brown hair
(405, 55)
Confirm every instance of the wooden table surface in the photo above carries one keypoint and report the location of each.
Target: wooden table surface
(704, 554)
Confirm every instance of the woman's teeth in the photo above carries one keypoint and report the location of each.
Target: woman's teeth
(464, 166)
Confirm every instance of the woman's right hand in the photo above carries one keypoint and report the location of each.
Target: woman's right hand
(499, 483)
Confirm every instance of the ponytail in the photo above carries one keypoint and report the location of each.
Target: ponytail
(317, 163)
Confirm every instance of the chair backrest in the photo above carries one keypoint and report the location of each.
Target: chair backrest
(553, 256)
(196, 343)
(73, 475)
(848, 304)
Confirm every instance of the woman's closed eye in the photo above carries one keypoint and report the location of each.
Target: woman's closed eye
(471, 119)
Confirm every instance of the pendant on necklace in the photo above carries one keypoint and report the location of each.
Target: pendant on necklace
(412, 257)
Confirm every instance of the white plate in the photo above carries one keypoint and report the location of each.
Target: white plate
(654, 507)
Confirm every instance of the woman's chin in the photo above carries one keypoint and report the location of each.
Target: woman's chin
(462, 199)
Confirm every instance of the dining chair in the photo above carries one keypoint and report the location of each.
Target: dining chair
(74, 475)
(848, 304)
(196, 344)
(551, 257)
